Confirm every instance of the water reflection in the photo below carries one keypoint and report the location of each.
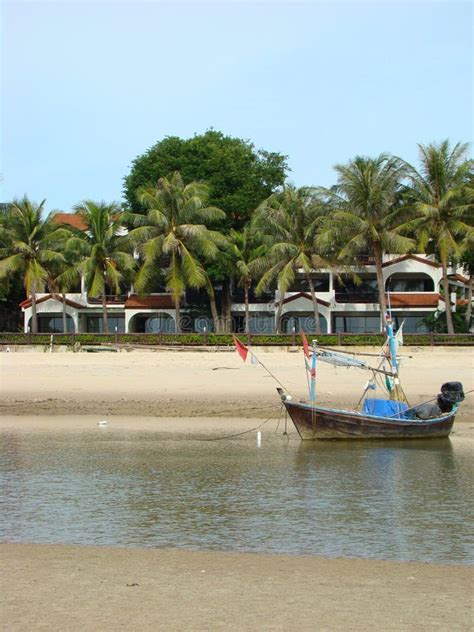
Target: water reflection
(403, 501)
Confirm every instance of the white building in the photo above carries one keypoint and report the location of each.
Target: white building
(413, 292)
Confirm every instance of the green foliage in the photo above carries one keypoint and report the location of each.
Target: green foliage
(103, 251)
(238, 175)
(175, 228)
(226, 340)
(437, 321)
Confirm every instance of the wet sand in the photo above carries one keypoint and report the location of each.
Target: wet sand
(204, 384)
(57, 587)
(49, 587)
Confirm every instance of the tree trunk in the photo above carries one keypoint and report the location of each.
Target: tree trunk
(212, 303)
(64, 314)
(247, 314)
(317, 324)
(447, 300)
(469, 304)
(278, 316)
(177, 309)
(380, 286)
(105, 323)
(34, 316)
(227, 306)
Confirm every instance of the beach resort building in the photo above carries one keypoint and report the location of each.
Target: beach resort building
(412, 284)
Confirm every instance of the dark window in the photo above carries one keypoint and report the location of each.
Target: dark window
(409, 284)
(95, 324)
(357, 324)
(54, 324)
(303, 322)
(414, 323)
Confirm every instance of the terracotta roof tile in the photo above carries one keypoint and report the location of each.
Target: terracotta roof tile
(27, 302)
(414, 299)
(427, 262)
(70, 219)
(302, 295)
(159, 301)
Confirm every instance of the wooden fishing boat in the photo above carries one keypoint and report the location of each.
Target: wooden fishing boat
(316, 422)
(388, 418)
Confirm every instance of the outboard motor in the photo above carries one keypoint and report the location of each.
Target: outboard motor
(451, 393)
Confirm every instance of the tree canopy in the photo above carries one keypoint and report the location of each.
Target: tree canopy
(238, 175)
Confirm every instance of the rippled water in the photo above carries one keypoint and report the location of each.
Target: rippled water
(399, 501)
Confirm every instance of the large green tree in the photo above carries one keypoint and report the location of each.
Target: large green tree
(29, 241)
(289, 223)
(243, 250)
(175, 233)
(364, 216)
(103, 252)
(440, 194)
(238, 175)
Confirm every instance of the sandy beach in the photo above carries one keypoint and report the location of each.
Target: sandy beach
(61, 587)
(204, 384)
(90, 588)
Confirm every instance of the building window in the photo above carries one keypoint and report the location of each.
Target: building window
(357, 324)
(53, 324)
(414, 323)
(95, 324)
(303, 322)
(409, 283)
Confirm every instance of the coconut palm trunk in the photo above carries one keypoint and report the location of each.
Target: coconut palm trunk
(213, 306)
(64, 313)
(104, 313)
(34, 315)
(177, 310)
(317, 324)
(380, 286)
(278, 316)
(247, 312)
(469, 303)
(447, 300)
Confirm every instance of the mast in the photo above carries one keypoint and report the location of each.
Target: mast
(396, 393)
(313, 373)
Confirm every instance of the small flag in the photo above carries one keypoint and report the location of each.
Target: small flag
(305, 344)
(241, 348)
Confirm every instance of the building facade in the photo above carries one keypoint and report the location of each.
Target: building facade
(412, 283)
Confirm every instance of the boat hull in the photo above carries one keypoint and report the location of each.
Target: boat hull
(315, 422)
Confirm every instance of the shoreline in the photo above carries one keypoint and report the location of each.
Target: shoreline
(189, 384)
(173, 589)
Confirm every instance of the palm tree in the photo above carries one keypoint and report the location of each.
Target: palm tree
(289, 223)
(441, 198)
(102, 250)
(176, 231)
(364, 215)
(243, 251)
(30, 242)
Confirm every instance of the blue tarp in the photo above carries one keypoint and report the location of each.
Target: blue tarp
(383, 407)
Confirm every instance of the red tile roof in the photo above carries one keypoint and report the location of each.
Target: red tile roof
(302, 295)
(70, 219)
(27, 302)
(459, 277)
(160, 301)
(413, 299)
(427, 262)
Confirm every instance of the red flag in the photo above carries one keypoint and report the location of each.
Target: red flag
(305, 344)
(241, 348)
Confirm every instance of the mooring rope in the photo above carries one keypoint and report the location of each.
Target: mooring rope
(239, 434)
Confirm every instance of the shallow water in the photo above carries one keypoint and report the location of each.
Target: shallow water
(379, 500)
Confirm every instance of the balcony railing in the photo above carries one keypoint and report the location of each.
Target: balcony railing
(111, 299)
(357, 297)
